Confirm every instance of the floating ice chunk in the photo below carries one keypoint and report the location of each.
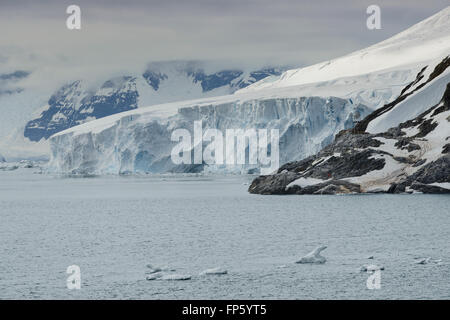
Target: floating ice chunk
(428, 260)
(423, 260)
(371, 267)
(9, 167)
(174, 277)
(168, 269)
(153, 269)
(314, 256)
(154, 276)
(160, 274)
(214, 271)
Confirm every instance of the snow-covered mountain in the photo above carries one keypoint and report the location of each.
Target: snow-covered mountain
(309, 106)
(413, 155)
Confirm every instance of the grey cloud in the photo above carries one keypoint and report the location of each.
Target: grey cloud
(119, 36)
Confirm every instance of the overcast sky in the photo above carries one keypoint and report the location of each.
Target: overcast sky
(125, 35)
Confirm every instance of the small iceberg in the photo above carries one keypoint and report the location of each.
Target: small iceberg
(9, 167)
(154, 276)
(423, 260)
(167, 276)
(371, 268)
(314, 256)
(176, 277)
(214, 271)
(427, 260)
(157, 273)
(153, 269)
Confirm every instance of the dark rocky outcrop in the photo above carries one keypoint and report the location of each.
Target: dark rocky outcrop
(425, 188)
(446, 148)
(436, 171)
(273, 184)
(329, 187)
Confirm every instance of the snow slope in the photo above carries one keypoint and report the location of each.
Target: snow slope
(412, 106)
(417, 46)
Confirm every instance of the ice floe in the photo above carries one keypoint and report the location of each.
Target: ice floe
(314, 256)
(214, 271)
(371, 267)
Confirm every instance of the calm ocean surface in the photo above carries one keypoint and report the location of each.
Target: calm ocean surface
(112, 227)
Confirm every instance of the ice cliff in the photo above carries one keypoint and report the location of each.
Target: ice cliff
(140, 140)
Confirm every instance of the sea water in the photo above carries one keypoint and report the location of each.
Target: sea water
(113, 227)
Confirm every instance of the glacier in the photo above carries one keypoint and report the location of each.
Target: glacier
(140, 140)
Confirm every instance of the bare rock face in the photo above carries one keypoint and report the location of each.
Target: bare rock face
(425, 188)
(436, 171)
(273, 184)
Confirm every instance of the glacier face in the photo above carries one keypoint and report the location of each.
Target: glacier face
(140, 141)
